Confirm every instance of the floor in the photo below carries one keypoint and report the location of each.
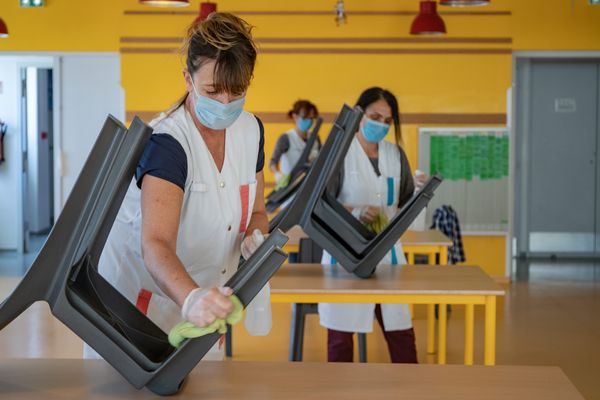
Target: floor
(550, 316)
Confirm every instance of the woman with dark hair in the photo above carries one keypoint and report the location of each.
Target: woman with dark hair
(375, 183)
(196, 201)
(290, 145)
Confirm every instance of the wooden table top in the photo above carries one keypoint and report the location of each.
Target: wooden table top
(212, 380)
(388, 279)
(409, 238)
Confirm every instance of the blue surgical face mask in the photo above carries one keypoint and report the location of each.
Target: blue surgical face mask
(304, 124)
(216, 115)
(374, 131)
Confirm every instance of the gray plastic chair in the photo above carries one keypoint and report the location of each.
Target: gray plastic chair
(298, 173)
(333, 227)
(65, 272)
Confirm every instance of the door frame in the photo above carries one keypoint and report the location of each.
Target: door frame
(50, 60)
(519, 146)
(29, 61)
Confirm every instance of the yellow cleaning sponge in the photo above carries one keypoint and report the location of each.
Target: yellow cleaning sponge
(186, 330)
(379, 223)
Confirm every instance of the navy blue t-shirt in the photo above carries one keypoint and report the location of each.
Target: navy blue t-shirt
(164, 158)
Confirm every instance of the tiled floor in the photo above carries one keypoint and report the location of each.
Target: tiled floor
(551, 317)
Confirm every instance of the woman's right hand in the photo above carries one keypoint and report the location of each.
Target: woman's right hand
(203, 306)
(369, 213)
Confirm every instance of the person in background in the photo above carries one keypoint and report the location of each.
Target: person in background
(290, 145)
(196, 201)
(375, 182)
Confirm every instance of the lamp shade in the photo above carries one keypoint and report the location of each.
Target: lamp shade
(206, 8)
(166, 3)
(464, 3)
(428, 21)
(3, 29)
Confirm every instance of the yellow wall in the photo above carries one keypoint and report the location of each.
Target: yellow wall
(427, 85)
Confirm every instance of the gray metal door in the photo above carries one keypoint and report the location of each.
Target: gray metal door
(562, 191)
(598, 163)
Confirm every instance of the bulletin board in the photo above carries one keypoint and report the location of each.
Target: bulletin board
(474, 164)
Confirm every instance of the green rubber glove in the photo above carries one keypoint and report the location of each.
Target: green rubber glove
(186, 330)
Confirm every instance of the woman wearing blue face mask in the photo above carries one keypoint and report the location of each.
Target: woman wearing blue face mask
(196, 201)
(290, 145)
(375, 182)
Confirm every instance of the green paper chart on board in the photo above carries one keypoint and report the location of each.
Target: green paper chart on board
(475, 165)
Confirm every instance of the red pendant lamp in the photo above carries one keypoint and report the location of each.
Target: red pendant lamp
(428, 21)
(206, 8)
(464, 3)
(3, 29)
(166, 3)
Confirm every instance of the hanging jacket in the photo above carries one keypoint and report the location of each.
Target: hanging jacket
(445, 220)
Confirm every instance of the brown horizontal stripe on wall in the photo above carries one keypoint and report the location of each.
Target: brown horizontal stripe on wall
(325, 51)
(154, 39)
(422, 118)
(319, 13)
(324, 40)
(407, 118)
(148, 50)
(317, 50)
(386, 40)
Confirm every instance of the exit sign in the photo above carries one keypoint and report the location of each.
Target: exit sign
(32, 3)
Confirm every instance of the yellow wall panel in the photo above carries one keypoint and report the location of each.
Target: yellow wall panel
(489, 252)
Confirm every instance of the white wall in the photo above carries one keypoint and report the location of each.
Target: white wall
(9, 170)
(86, 88)
(90, 90)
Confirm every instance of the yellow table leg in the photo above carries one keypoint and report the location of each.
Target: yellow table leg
(490, 331)
(430, 329)
(431, 318)
(442, 334)
(443, 255)
(431, 258)
(411, 258)
(469, 328)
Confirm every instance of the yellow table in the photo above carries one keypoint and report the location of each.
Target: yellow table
(213, 380)
(467, 285)
(431, 243)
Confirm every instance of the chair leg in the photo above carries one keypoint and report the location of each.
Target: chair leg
(294, 331)
(362, 347)
(229, 342)
(300, 332)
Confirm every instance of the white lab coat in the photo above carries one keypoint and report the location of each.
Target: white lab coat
(297, 145)
(215, 213)
(362, 187)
